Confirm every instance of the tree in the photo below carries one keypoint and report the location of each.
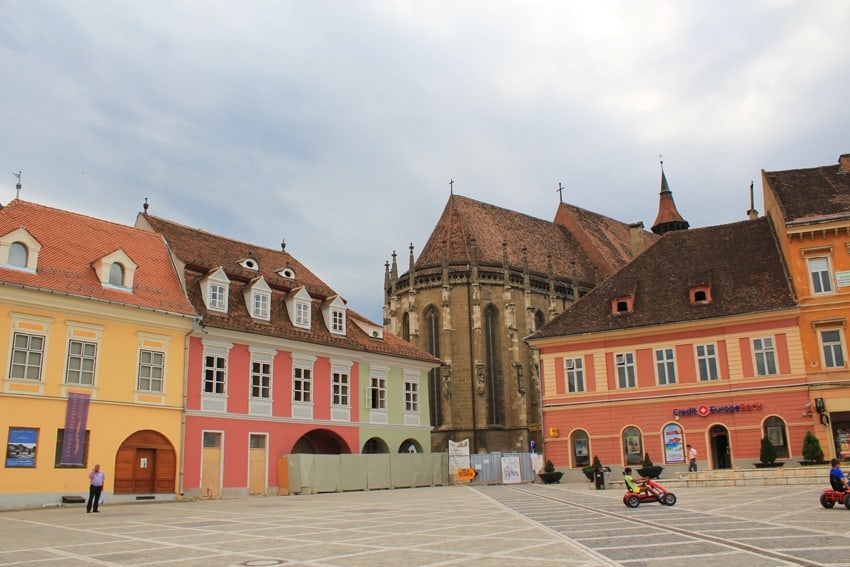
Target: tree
(767, 455)
(811, 448)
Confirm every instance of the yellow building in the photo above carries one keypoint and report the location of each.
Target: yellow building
(93, 330)
(810, 213)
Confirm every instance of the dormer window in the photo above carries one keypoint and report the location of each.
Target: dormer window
(258, 297)
(287, 273)
(298, 306)
(333, 311)
(116, 271)
(249, 264)
(215, 288)
(700, 294)
(622, 304)
(19, 250)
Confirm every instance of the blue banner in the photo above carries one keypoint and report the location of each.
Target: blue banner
(74, 439)
(20, 450)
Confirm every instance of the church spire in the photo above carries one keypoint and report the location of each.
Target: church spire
(668, 216)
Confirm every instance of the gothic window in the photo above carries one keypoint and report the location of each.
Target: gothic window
(405, 326)
(493, 374)
(539, 319)
(432, 345)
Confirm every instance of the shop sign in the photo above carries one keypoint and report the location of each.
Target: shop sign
(704, 410)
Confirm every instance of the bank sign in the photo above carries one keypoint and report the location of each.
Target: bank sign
(705, 410)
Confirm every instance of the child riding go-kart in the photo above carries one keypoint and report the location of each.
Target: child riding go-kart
(646, 490)
(838, 491)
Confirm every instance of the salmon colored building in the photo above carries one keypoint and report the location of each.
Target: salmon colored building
(810, 212)
(93, 330)
(280, 365)
(696, 341)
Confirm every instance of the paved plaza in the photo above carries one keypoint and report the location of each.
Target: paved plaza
(492, 526)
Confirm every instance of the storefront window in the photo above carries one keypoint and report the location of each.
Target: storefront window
(581, 449)
(632, 446)
(774, 429)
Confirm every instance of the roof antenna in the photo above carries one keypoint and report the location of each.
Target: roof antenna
(145, 205)
(18, 184)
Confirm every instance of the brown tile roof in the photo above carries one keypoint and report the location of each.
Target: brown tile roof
(71, 243)
(202, 252)
(811, 195)
(592, 240)
(668, 215)
(740, 262)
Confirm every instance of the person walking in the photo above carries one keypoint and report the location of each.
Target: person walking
(96, 478)
(692, 459)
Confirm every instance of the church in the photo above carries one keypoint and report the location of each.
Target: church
(486, 279)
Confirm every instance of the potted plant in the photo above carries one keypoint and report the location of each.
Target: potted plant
(812, 453)
(648, 470)
(591, 469)
(767, 455)
(549, 474)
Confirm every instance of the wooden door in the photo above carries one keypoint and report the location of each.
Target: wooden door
(144, 469)
(211, 475)
(257, 465)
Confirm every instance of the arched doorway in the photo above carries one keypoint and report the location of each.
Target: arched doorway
(146, 463)
(721, 451)
(321, 442)
(410, 446)
(375, 445)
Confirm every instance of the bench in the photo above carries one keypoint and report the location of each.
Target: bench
(73, 500)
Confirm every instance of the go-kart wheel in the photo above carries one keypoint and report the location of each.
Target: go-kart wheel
(669, 499)
(826, 502)
(847, 501)
(632, 501)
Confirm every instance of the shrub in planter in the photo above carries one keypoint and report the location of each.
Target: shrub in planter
(648, 470)
(811, 448)
(549, 474)
(767, 455)
(590, 469)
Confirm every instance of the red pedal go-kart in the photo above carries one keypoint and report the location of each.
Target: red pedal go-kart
(835, 494)
(650, 491)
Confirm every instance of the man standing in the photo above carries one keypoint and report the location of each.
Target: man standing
(692, 459)
(96, 478)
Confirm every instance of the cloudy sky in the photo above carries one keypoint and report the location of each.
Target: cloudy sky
(337, 125)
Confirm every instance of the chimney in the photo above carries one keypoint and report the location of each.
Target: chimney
(636, 230)
(844, 163)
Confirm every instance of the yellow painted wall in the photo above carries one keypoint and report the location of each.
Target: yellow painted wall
(116, 411)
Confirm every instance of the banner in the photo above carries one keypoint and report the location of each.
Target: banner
(74, 439)
(458, 455)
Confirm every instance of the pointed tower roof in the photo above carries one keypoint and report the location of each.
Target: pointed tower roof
(668, 216)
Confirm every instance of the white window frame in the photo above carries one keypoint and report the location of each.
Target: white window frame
(261, 379)
(820, 276)
(302, 314)
(340, 388)
(302, 384)
(411, 396)
(28, 353)
(218, 296)
(833, 351)
(215, 289)
(707, 364)
(764, 350)
(574, 374)
(626, 371)
(338, 321)
(151, 366)
(80, 367)
(665, 366)
(260, 303)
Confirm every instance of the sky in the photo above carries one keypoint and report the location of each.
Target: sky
(338, 125)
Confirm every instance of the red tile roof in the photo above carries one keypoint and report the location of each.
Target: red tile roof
(811, 195)
(72, 243)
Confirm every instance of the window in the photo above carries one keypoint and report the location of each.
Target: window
(218, 297)
(151, 370)
(625, 363)
(707, 362)
(581, 449)
(302, 314)
(339, 388)
(211, 439)
(665, 365)
(215, 374)
(337, 321)
(116, 274)
(27, 354)
(411, 396)
(81, 357)
(439, 379)
(261, 379)
(819, 274)
(774, 430)
(632, 446)
(378, 397)
(833, 350)
(18, 255)
(574, 373)
(493, 371)
(302, 384)
(261, 306)
(765, 354)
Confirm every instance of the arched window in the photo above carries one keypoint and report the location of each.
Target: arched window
(539, 319)
(493, 373)
(581, 448)
(432, 346)
(116, 274)
(18, 255)
(632, 446)
(774, 430)
(405, 326)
